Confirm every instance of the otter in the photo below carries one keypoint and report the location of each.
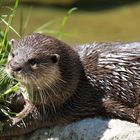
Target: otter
(67, 84)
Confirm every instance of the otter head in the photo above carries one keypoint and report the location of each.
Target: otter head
(44, 63)
(30, 60)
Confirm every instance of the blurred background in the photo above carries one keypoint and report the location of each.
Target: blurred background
(93, 20)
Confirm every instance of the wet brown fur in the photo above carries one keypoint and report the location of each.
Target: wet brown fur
(101, 79)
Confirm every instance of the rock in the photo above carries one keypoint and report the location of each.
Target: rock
(88, 129)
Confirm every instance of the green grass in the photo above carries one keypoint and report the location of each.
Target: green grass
(7, 85)
(4, 44)
(59, 33)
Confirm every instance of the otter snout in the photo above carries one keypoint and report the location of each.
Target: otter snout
(15, 68)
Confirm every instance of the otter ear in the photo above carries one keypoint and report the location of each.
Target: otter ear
(55, 58)
(12, 42)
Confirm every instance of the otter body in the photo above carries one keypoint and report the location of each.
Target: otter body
(66, 84)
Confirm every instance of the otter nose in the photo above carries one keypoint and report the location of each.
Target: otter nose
(15, 68)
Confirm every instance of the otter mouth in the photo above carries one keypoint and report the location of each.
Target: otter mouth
(10, 73)
(16, 75)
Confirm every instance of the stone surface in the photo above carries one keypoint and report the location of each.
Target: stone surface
(88, 129)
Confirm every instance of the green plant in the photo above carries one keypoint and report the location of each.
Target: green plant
(7, 85)
(58, 33)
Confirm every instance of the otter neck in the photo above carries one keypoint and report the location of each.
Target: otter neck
(53, 95)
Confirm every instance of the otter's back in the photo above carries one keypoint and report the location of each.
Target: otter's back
(114, 68)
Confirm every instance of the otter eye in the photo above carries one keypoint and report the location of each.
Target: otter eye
(12, 41)
(32, 62)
